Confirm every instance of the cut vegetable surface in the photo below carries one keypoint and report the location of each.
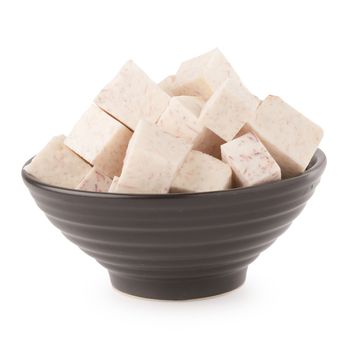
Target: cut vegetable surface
(202, 75)
(228, 109)
(152, 161)
(291, 138)
(57, 165)
(168, 85)
(100, 140)
(113, 187)
(181, 119)
(201, 173)
(132, 96)
(250, 161)
(94, 181)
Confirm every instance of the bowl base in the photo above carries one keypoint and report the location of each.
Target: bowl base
(179, 289)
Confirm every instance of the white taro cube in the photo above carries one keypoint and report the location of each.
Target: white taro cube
(168, 85)
(193, 103)
(152, 160)
(200, 173)
(145, 172)
(181, 119)
(209, 143)
(57, 165)
(202, 75)
(132, 96)
(291, 138)
(95, 181)
(250, 161)
(228, 109)
(100, 140)
(113, 186)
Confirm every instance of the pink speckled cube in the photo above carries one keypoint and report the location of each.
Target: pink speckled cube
(168, 85)
(100, 140)
(181, 120)
(95, 181)
(250, 161)
(57, 165)
(152, 160)
(201, 173)
(113, 187)
(228, 109)
(290, 137)
(132, 96)
(202, 75)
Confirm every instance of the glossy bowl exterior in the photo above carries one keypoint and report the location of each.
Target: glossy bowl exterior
(178, 246)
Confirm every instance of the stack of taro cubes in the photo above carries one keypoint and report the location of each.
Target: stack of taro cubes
(199, 130)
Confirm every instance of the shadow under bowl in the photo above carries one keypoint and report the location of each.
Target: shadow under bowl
(177, 246)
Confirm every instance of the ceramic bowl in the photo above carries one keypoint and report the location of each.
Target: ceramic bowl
(177, 246)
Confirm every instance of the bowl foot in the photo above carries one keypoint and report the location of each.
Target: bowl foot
(178, 289)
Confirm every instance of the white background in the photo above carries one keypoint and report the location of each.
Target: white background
(55, 56)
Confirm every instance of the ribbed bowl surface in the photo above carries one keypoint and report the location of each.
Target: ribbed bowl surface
(177, 246)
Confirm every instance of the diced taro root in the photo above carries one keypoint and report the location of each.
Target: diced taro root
(200, 173)
(228, 109)
(113, 187)
(168, 85)
(132, 96)
(145, 172)
(291, 138)
(201, 76)
(193, 103)
(57, 165)
(151, 138)
(181, 120)
(250, 161)
(152, 160)
(209, 143)
(95, 181)
(100, 140)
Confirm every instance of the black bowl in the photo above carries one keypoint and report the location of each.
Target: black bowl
(177, 246)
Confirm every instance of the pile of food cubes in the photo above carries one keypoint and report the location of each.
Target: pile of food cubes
(197, 131)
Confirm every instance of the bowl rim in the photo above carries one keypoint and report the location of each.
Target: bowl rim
(315, 167)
